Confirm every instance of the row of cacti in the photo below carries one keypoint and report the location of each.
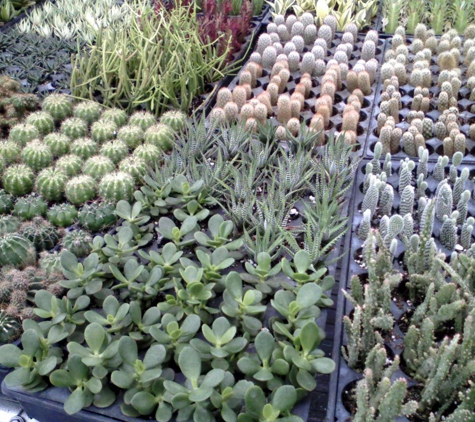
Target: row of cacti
(297, 45)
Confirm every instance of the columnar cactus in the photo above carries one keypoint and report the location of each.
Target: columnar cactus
(143, 119)
(16, 251)
(41, 233)
(88, 111)
(133, 136)
(161, 136)
(59, 106)
(103, 130)
(444, 201)
(175, 119)
(135, 166)
(115, 150)
(97, 216)
(18, 179)
(80, 189)
(74, 128)
(117, 186)
(84, 148)
(448, 231)
(29, 207)
(23, 133)
(42, 120)
(70, 164)
(98, 166)
(62, 215)
(116, 115)
(58, 143)
(50, 184)
(78, 243)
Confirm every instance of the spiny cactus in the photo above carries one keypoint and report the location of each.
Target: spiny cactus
(74, 128)
(18, 179)
(88, 111)
(8, 224)
(10, 151)
(133, 136)
(175, 119)
(16, 251)
(50, 183)
(115, 150)
(41, 233)
(444, 201)
(98, 166)
(97, 216)
(365, 225)
(23, 133)
(161, 136)
(50, 263)
(58, 106)
(117, 186)
(80, 189)
(78, 243)
(62, 215)
(84, 148)
(58, 144)
(103, 130)
(116, 115)
(143, 119)
(70, 164)
(37, 155)
(6, 202)
(135, 166)
(29, 207)
(150, 153)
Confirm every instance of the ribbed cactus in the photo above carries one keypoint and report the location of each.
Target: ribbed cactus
(84, 148)
(98, 166)
(78, 243)
(116, 115)
(407, 200)
(175, 119)
(58, 144)
(16, 251)
(103, 130)
(117, 186)
(133, 136)
(439, 168)
(42, 120)
(70, 164)
(462, 206)
(143, 119)
(6, 202)
(386, 200)
(18, 179)
(10, 151)
(23, 133)
(80, 189)
(97, 216)
(161, 136)
(365, 225)
(88, 111)
(62, 215)
(115, 150)
(444, 201)
(8, 224)
(9, 328)
(50, 183)
(37, 155)
(135, 166)
(59, 106)
(74, 128)
(41, 233)
(371, 198)
(150, 153)
(29, 207)
(448, 231)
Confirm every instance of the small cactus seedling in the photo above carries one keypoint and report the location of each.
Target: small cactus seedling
(97, 216)
(70, 164)
(18, 179)
(42, 120)
(143, 119)
(16, 251)
(23, 133)
(78, 243)
(88, 111)
(41, 233)
(116, 115)
(115, 150)
(161, 136)
(133, 136)
(50, 183)
(58, 106)
(98, 166)
(80, 189)
(84, 148)
(74, 128)
(117, 186)
(103, 130)
(62, 215)
(29, 207)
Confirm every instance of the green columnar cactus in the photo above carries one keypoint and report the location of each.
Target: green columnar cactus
(74, 128)
(161, 136)
(98, 166)
(50, 183)
(41, 233)
(18, 179)
(405, 175)
(10, 151)
(42, 120)
(78, 243)
(116, 115)
(103, 131)
(462, 206)
(150, 153)
(62, 215)
(70, 164)
(144, 119)
(386, 200)
(16, 251)
(133, 136)
(84, 148)
(365, 225)
(8, 224)
(80, 189)
(23, 133)
(444, 201)
(30, 206)
(460, 184)
(371, 198)
(6, 202)
(448, 231)
(466, 234)
(439, 168)
(115, 150)
(58, 143)
(88, 111)
(175, 119)
(117, 186)
(135, 166)
(59, 106)
(37, 155)
(97, 216)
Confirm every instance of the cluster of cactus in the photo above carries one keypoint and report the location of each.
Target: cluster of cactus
(41, 233)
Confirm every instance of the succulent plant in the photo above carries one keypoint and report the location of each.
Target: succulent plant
(116, 186)
(143, 119)
(74, 128)
(59, 106)
(150, 153)
(37, 155)
(62, 215)
(70, 164)
(175, 119)
(58, 143)
(42, 120)
(16, 250)
(116, 115)
(6, 202)
(10, 151)
(9, 328)
(30, 206)
(161, 136)
(132, 136)
(8, 224)
(84, 148)
(98, 166)
(97, 216)
(115, 150)
(88, 111)
(135, 166)
(80, 189)
(50, 183)
(78, 243)
(18, 179)
(41, 233)
(23, 133)
(103, 130)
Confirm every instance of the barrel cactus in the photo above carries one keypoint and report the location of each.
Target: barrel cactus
(42, 120)
(23, 133)
(150, 153)
(6, 202)
(59, 106)
(37, 155)
(161, 136)
(41, 233)
(58, 143)
(10, 151)
(30, 206)
(50, 263)
(144, 119)
(62, 215)
(18, 179)
(103, 131)
(88, 111)
(80, 189)
(117, 186)
(116, 115)
(70, 164)
(97, 216)
(84, 148)
(50, 183)
(8, 224)
(115, 150)
(133, 136)
(175, 119)
(78, 243)
(135, 166)
(98, 166)
(74, 128)
(16, 251)
(10, 328)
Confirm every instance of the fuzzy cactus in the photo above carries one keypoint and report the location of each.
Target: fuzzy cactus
(84, 148)
(58, 144)
(6, 202)
(115, 150)
(97, 216)
(62, 215)
(143, 119)
(80, 189)
(9, 224)
(269, 57)
(41, 233)
(70, 164)
(58, 106)
(150, 153)
(78, 243)
(29, 207)
(135, 166)
(98, 166)
(23, 133)
(10, 151)
(16, 251)
(283, 109)
(74, 128)
(133, 136)
(117, 186)
(88, 111)
(103, 130)
(42, 120)
(444, 201)
(50, 183)
(116, 115)
(18, 180)
(161, 136)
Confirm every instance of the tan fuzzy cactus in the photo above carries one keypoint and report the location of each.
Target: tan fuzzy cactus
(293, 126)
(278, 66)
(231, 110)
(224, 95)
(317, 125)
(251, 125)
(300, 88)
(240, 96)
(351, 80)
(350, 120)
(264, 98)
(448, 144)
(325, 112)
(273, 90)
(260, 113)
(328, 88)
(281, 133)
(299, 97)
(460, 143)
(247, 112)
(284, 75)
(245, 77)
(284, 113)
(255, 70)
(364, 82)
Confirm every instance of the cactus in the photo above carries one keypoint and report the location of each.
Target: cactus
(284, 113)
(58, 106)
(10, 151)
(269, 57)
(117, 186)
(103, 130)
(10, 328)
(70, 164)
(6, 202)
(325, 32)
(16, 251)
(50, 183)
(84, 148)
(23, 133)
(133, 136)
(439, 168)
(42, 120)
(407, 201)
(368, 50)
(386, 200)
(135, 166)
(224, 96)
(58, 144)
(88, 111)
(8, 224)
(143, 119)
(116, 115)
(78, 243)
(149, 153)
(263, 42)
(98, 166)
(37, 155)
(462, 206)
(443, 201)
(175, 119)
(308, 63)
(41, 233)
(161, 136)
(466, 233)
(114, 150)
(62, 215)
(97, 216)
(18, 180)
(350, 121)
(365, 225)
(80, 189)
(29, 207)
(448, 231)
(74, 128)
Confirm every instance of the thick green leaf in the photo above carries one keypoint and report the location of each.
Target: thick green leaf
(30, 342)
(128, 350)
(144, 402)
(265, 344)
(189, 362)
(95, 336)
(284, 398)
(213, 378)
(18, 378)
(309, 337)
(255, 401)
(323, 365)
(9, 355)
(306, 380)
(122, 379)
(75, 402)
(308, 295)
(200, 394)
(62, 378)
